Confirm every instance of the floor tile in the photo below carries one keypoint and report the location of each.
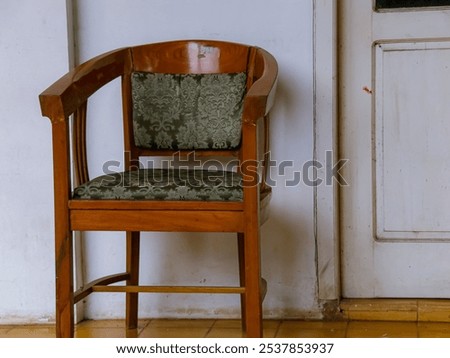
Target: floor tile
(107, 323)
(233, 329)
(312, 329)
(105, 328)
(228, 323)
(174, 332)
(380, 329)
(177, 329)
(4, 331)
(99, 332)
(434, 330)
(183, 323)
(32, 331)
(225, 333)
(228, 328)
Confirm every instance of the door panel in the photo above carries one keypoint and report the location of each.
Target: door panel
(394, 129)
(412, 143)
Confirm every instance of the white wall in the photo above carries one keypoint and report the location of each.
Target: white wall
(285, 29)
(33, 52)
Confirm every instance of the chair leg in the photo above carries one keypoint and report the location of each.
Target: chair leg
(133, 244)
(64, 282)
(253, 299)
(241, 255)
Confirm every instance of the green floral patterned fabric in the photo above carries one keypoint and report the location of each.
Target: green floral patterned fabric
(174, 111)
(164, 184)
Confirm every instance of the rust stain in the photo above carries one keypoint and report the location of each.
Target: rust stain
(367, 90)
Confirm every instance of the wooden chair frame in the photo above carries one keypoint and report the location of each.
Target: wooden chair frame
(69, 95)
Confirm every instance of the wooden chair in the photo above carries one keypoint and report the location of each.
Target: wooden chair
(210, 98)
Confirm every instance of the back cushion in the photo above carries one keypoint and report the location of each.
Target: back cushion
(187, 111)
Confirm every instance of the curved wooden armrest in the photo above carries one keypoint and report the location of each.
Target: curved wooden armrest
(260, 97)
(64, 96)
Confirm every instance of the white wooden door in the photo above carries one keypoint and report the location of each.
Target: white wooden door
(395, 130)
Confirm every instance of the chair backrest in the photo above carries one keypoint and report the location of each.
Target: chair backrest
(201, 81)
(186, 95)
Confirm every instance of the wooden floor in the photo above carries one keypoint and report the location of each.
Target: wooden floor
(231, 329)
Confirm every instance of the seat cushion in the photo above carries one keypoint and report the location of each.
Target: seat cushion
(164, 184)
(187, 111)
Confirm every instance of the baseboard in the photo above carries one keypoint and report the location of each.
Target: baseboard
(421, 310)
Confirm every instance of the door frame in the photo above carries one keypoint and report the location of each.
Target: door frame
(325, 126)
